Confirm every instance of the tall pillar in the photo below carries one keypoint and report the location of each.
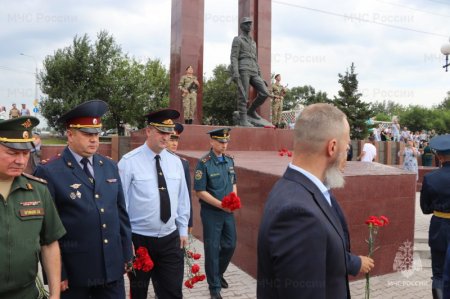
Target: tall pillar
(261, 13)
(186, 48)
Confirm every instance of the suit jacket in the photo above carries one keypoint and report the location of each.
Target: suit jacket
(301, 244)
(98, 239)
(353, 261)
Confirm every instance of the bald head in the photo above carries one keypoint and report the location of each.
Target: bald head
(317, 124)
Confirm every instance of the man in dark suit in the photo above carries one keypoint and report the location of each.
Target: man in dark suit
(435, 199)
(302, 247)
(88, 194)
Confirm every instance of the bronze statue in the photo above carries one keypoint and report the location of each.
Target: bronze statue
(245, 70)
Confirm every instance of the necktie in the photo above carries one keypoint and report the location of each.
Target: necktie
(163, 192)
(85, 163)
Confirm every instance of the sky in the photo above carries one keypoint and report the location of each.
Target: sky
(394, 44)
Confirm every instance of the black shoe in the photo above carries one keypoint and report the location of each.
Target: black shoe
(253, 114)
(216, 296)
(223, 283)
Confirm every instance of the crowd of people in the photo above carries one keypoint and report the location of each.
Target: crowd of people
(14, 112)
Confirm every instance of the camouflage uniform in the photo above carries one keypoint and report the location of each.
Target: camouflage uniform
(277, 103)
(190, 98)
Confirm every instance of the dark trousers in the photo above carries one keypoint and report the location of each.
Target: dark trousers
(167, 273)
(253, 79)
(219, 236)
(112, 290)
(439, 241)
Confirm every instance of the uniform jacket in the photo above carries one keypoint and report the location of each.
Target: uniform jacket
(28, 220)
(187, 175)
(243, 55)
(301, 244)
(98, 239)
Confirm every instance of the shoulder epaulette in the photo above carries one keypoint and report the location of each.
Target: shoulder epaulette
(206, 158)
(132, 153)
(51, 159)
(229, 156)
(184, 159)
(34, 178)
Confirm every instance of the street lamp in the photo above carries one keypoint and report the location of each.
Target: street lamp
(445, 49)
(35, 79)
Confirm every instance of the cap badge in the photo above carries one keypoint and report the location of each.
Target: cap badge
(27, 123)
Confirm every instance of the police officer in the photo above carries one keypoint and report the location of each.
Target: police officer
(172, 146)
(158, 204)
(435, 199)
(188, 85)
(88, 194)
(215, 178)
(29, 221)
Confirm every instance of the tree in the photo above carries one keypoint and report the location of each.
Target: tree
(386, 108)
(85, 71)
(219, 98)
(303, 95)
(445, 104)
(348, 100)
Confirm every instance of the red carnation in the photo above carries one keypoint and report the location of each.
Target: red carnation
(188, 283)
(197, 256)
(195, 268)
(143, 261)
(231, 201)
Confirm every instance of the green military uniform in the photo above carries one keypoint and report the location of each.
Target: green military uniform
(216, 175)
(189, 98)
(277, 103)
(28, 218)
(14, 113)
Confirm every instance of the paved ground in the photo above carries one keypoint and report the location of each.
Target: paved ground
(415, 284)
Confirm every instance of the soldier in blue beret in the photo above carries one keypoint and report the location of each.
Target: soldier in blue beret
(215, 178)
(435, 199)
(157, 199)
(88, 193)
(30, 223)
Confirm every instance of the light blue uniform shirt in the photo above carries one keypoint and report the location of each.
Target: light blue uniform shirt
(315, 180)
(137, 171)
(78, 159)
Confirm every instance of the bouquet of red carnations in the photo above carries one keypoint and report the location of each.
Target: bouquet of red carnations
(193, 269)
(231, 201)
(143, 261)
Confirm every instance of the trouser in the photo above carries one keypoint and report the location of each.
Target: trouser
(167, 273)
(189, 105)
(112, 290)
(277, 108)
(26, 292)
(439, 241)
(219, 236)
(247, 79)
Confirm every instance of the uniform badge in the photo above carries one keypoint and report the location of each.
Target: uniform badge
(111, 180)
(198, 175)
(78, 194)
(72, 195)
(30, 203)
(75, 186)
(25, 135)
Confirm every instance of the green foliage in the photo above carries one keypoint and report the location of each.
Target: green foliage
(348, 100)
(84, 71)
(389, 108)
(383, 117)
(219, 98)
(303, 95)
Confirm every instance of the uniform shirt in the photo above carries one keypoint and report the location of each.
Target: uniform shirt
(186, 81)
(28, 220)
(215, 176)
(277, 90)
(243, 55)
(78, 158)
(140, 184)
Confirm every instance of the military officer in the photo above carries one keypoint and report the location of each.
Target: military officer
(188, 86)
(435, 199)
(215, 178)
(29, 221)
(157, 200)
(278, 92)
(89, 197)
(172, 146)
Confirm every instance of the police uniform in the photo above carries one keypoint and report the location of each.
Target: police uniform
(156, 225)
(190, 98)
(216, 176)
(435, 199)
(98, 241)
(28, 219)
(179, 128)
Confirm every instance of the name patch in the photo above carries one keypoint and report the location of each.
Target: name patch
(31, 212)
